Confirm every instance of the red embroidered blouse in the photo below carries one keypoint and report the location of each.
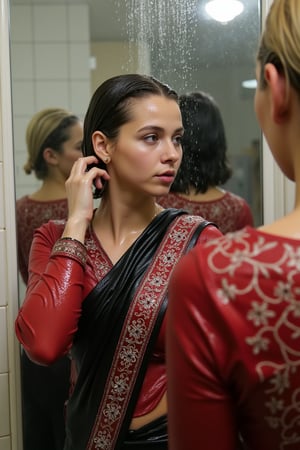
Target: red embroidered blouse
(57, 302)
(31, 214)
(233, 344)
(230, 212)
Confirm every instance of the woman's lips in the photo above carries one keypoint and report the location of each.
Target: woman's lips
(166, 177)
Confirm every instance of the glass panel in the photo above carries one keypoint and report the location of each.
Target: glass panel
(62, 51)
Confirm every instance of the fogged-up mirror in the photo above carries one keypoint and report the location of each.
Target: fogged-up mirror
(61, 51)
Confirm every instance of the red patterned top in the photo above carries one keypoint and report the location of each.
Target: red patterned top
(230, 212)
(31, 214)
(57, 301)
(237, 369)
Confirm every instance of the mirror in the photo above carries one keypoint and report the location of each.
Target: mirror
(60, 52)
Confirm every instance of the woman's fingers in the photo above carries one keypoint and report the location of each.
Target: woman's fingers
(82, 172)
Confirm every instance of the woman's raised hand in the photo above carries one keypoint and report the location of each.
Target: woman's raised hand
(79, 187)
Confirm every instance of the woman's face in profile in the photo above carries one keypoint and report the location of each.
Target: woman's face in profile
(147, 152)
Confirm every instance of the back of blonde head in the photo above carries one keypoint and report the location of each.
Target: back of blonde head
(38, 130)
(280, 41)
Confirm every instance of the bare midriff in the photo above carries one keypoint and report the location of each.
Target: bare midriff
(158, 411)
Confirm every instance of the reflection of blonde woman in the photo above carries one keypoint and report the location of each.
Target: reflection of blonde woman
(54, 138)
(233, 338)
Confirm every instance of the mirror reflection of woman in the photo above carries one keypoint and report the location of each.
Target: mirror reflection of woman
(98, 281)
(54, 142)
(198, 187)
(233, 337)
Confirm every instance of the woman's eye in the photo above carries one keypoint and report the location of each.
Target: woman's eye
(150, 138)
(178, 140)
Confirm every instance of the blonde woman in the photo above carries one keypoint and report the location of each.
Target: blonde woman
(54, 142)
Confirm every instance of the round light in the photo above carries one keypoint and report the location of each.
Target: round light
(249, 84)
(224, 10)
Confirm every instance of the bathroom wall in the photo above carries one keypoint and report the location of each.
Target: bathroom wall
(50, 67)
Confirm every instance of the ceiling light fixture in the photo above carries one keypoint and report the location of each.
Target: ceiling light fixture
(249, 84)
(224, 10)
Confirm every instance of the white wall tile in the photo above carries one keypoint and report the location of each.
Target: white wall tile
(3, 341)
(3, 271)
(23, 97)
(21, 23)
(22, 190)
(4, 405)
(19, 162)
(52, 94)
(78, 23)
(79, 61)
(26, 183)
(19, 129)
(51, 61)
(2, 220)
(80, 97)
(5, 443)
(22, 291)
(54, 28)
(22, 61)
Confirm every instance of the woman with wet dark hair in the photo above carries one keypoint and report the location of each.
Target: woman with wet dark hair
(205, 168)
(99, 280)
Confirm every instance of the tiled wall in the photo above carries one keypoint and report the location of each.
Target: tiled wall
(50, 52)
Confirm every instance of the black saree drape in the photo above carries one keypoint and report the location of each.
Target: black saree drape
(103, 315)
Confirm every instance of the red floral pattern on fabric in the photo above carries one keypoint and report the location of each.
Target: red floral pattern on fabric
(31, 214)
(230, 213)
(242, 310)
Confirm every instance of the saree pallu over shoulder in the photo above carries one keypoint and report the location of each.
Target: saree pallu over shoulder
(120, 321)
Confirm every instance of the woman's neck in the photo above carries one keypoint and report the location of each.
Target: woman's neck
(117, 225)
(212, 193)
(50, 190)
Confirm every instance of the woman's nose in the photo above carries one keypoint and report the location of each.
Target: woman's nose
(171, 151)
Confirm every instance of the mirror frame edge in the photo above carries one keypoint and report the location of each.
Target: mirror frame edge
(11, 285)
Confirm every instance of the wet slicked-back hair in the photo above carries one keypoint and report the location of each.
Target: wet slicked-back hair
(204, 162)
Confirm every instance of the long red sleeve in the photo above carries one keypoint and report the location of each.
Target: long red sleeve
(48, 318)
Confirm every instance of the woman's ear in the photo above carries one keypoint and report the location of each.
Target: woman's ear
(279, 93)
(50, 156)
(101, 146)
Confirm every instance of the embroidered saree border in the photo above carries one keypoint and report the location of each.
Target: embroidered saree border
(136, 333)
